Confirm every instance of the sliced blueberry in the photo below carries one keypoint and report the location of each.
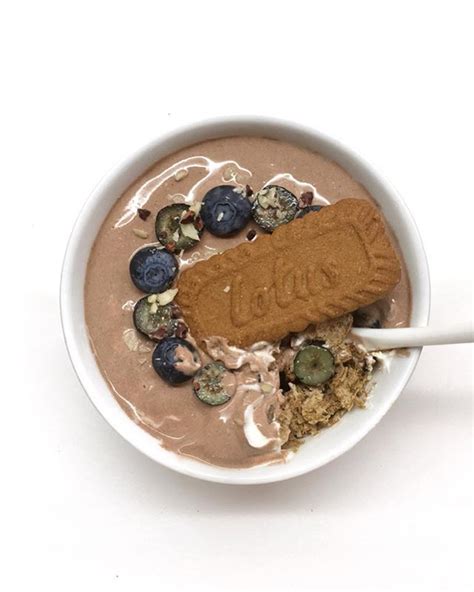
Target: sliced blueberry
(153, 269)
(169, 227)
(175, 360)
(273, 206)
(156, 322)
(313, 365)
(214, 384)
(307, 210)
(225, 210)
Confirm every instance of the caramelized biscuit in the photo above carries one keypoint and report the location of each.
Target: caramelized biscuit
(313, 269)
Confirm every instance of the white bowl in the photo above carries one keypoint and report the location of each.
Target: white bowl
(331, 442)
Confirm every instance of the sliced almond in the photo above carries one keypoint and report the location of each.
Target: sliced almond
(272, 197)
(151, 298)
(154, 308)
(189, 231)
(166, 297)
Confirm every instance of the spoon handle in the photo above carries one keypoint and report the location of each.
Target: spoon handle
(380, 339)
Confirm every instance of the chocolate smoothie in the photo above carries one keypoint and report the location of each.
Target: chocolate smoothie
(245, 431)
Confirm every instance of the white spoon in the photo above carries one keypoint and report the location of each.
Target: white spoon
(380, 339)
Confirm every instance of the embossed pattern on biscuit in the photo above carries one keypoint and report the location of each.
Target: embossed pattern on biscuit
(313, 269)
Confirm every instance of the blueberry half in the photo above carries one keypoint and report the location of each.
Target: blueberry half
(175, 360)
(153, 269)
(156, 322)
(273, 206)
(225, 210)
(313, 365)
(212, 384)
(169, 231)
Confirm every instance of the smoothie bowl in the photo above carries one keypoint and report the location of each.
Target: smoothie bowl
(209, 289)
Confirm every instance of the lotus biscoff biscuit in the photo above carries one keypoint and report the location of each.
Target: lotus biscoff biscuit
(313, 269)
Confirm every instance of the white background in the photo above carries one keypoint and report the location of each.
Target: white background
(85, 83)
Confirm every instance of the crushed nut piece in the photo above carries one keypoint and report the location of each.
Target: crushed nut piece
(129, 305)
(143, 213)
(251, 234)
(181, 330)
(140, 233)
(228, 174)
(166, 297)
(187, 216)
(181, 174)
(195, 207)
(268, 198)
(189, 230)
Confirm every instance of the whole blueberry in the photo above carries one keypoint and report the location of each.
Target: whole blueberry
(153, 269)
(307, 210)
(225, 210)
(175, 360)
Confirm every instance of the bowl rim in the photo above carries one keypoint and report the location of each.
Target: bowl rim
(171, 460)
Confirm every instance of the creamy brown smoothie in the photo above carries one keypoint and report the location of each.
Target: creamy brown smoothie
(252, 426)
